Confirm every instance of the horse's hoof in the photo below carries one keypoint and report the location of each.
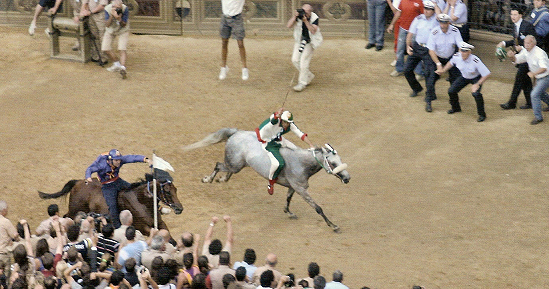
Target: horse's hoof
(292, 216)
(221, 180)
(206, 180)
(337, 230)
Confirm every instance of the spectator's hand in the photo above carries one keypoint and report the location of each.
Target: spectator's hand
(215, 220)
(23, 222)
(390, 28)
(227, 218)
(153, 231)
(56, 225)
(85, 13)
(52, 11)
(531, 74)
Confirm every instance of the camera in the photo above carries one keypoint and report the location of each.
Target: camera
(300, 13)
(97, 219)
(118, 11)
(302, 45)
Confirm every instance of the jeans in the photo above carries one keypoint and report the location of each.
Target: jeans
(110, 193)
(376, 19)
(539, 94)
(401, 49)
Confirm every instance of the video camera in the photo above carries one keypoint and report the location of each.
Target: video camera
(97, 219)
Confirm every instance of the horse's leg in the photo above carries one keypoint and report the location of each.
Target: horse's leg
(208, 179)
(225, 178)
(318, 209)
(289, 196)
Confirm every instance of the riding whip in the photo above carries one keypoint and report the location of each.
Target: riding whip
(289, 87)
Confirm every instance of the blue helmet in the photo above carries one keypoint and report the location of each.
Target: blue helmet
(114, 154)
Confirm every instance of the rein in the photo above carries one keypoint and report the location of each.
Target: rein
(162, 192)
(326, 166)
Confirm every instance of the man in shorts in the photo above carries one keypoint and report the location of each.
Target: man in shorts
(232, 23)
(116, 23)
(53, 6)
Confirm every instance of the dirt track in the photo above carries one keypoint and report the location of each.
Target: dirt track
(436, 200)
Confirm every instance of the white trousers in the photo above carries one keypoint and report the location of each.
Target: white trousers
(301, 61)
(274, 162)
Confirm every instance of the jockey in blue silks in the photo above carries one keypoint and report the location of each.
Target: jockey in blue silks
(107, 166)
(269, 133)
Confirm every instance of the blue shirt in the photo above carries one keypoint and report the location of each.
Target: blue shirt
(132, 250)
(106, 172)
(250, 269)
(444, 43)
(540, 19)
(421, 27)
(460, 11)
(470, 67)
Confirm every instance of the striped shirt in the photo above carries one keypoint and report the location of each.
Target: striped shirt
(106, 245)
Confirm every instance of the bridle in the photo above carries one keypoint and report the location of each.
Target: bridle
(162, 196)
(325, 164)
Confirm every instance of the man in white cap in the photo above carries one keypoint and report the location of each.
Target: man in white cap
(270, 134)
(473, 71)
(417, 50)
(442, 45)
(537, 63)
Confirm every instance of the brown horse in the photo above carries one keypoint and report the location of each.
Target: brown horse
(138, 199)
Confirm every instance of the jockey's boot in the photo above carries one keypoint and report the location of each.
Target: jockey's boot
(270, 186)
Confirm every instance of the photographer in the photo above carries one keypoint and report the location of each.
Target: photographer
(117, 23)
(307, 38)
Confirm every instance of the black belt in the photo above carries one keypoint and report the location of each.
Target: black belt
(233, 17)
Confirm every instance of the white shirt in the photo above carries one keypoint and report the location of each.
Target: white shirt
(460, 11)
(396, 3)
(444, 43)
(335, 285)
(421, 27)
(232, 7)
(536, 59)
(470, 67)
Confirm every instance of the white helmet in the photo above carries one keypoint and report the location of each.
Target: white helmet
(287, 116)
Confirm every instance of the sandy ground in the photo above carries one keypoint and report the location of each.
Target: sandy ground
(436, 200)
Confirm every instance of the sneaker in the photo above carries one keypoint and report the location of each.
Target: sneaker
(310, 78)
(396, 73)
(245, 74)
(223, 72)
(270, 189)
(299, 87)
(115, 67)
(32, 27)
(394, 63)
(123, 71)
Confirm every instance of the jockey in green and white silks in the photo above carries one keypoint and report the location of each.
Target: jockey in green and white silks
(270, 132)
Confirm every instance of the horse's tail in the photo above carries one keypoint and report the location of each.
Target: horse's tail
(219, 136)
(66, 189)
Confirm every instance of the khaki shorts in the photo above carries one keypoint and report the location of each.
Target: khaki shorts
(108, 38)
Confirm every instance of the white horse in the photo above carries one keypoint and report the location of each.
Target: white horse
(243, 149)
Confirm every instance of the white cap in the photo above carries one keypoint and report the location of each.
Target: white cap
(444, 17)
(465, 46)
(428, 4)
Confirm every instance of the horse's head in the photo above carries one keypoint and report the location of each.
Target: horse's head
(166, 191)
(333, 165)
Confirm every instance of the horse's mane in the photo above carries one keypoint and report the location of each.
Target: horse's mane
(161, 176)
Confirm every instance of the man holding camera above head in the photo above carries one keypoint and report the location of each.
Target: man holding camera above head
(307, 38)
(116, 24)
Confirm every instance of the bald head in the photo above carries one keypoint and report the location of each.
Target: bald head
(271, 259)
(164, 234)
(3, 208)
(308, 8)
(187, 239)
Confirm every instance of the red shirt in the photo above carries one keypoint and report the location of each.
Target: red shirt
(409, 9)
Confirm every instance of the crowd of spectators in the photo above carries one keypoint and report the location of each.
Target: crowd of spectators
(88, 252)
